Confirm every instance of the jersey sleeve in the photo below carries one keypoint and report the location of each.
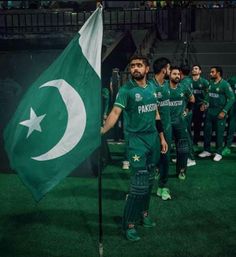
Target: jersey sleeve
(188, 91)
(121, 98)
(229, 96)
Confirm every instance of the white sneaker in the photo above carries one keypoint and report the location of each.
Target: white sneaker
(191, 163)
(204, 154)
(125, 165)
(217, 157)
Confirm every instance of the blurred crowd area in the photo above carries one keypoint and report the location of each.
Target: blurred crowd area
(82, 5)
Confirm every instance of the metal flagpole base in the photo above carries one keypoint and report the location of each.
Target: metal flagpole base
(100, 250)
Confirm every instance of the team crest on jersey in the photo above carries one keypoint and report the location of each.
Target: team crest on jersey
(182, 94)
(138, 97)
(200, 85)
(155, 95)
(159, 94)
(217, 89)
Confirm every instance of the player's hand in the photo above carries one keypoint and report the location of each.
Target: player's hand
(104, 118)
(164, 146)
(221, 115)
(102, 131)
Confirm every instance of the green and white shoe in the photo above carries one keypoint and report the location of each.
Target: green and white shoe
(226, 151)
(165, 195)
(182, 176)
(159, 191)
(132, 235)
(148, 223)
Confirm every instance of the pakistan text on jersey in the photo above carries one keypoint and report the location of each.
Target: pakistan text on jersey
(197, 91)
(214, 95)
(176, 103)
(165, 103)
(147, 108)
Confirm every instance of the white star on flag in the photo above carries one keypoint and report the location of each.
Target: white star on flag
(33, 123)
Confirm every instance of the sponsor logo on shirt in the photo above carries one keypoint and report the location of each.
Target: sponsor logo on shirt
(165, 103)
(197, 91)
(176, 103)
(214, 95)
(147, 108)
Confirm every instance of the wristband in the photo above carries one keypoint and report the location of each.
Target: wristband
(159, 126)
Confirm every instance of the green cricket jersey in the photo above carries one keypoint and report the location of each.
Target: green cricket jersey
(163, 97)
(178, 98)
(200, 88)
(232, 82)
(140, 105)
(220, 96)
(187, 81)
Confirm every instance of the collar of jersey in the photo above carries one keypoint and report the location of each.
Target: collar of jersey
(157, 83)
(218, 82)
(134, 83)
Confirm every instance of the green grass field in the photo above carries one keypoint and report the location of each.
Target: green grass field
(200, 220)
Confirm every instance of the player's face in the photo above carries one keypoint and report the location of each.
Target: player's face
(138, 69)
(196, 70)
(213, 73)
(175, 76)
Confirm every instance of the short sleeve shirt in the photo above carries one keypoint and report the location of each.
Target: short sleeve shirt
(200, 88)
(178, 98)
(140, 106)
(163, 97)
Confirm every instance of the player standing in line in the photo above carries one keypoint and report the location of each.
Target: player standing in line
(187, 82)
(219, 100)
(200, 88)
(232, 120)
(138, 99)
(178, 95)
(161, 68)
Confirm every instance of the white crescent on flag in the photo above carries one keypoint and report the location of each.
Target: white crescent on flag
(76, 120)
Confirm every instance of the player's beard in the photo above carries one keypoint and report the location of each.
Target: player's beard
(137, 76)
(213, 78)
(175, 80)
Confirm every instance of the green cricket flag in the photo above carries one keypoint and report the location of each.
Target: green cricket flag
(57, 123)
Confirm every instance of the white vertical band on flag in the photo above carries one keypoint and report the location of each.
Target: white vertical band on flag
(90, 40)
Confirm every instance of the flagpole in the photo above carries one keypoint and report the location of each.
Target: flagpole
(100, 238)
(100, 164)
